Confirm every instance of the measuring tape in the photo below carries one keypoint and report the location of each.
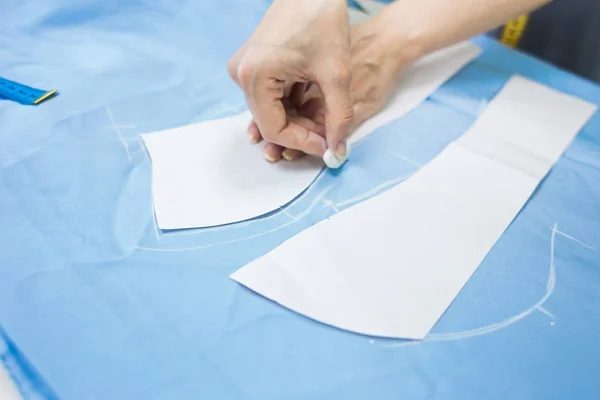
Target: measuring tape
(513, 31)
(23, 94)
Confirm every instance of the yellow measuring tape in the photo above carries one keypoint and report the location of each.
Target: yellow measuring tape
(512, 32)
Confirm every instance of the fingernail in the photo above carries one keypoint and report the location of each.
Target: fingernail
(253, 139)
(270, 158)
(341, 150)
(288, 154)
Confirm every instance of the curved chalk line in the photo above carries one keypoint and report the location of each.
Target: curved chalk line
(538, 306)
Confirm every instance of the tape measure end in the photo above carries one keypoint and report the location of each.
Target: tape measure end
(45, 96)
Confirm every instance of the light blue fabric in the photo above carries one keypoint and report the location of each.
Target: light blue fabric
(102, 306)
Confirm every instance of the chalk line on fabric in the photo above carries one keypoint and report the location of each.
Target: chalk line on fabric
(539, 306)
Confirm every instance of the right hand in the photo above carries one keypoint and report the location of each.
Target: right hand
(298, 43)
(375, 71)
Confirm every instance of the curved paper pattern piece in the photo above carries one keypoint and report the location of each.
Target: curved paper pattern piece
(390, 266)
(208, 174)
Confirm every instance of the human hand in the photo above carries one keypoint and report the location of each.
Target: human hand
(299, 43)
(374, 73)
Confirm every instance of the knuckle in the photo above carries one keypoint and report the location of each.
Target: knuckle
(335, 72)
(245, 73)
(342, 75)
(232, 66)
(294, 136)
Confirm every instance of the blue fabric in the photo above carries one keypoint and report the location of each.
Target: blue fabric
(102, 306)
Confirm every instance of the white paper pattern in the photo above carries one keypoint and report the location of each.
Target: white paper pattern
(390, 266)
(208, 174)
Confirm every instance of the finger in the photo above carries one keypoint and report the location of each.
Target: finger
(233, 65)
(297, 94)
(265, 100)
(297, 137)
(288, 87)
(292, 155)
(312, 91)
(274, 126)
(253, 133)
(255, 136)
(313, 110)
(303, 134)
(290, 109)
(339, 111)
(309, 124)
(272, 152)
(308, 87)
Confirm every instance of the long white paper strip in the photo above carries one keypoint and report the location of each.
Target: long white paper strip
(208, 174)
(390, 266)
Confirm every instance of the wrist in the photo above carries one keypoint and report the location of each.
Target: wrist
(408, 38)
(402, 39)
(390, 45)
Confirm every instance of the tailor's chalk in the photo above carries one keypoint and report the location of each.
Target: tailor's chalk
(332, 161)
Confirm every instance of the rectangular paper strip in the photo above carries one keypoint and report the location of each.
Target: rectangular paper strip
(390, 266)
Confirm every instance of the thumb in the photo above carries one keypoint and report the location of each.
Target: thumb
(339, 113)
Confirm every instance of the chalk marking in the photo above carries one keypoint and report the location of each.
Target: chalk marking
(205, 246)
(116, 128)
(287, 214)
(436, 337)
(329, 203)
(548, 313)
(587, 246)
(200, 230)
(372, 192)
(404, 158)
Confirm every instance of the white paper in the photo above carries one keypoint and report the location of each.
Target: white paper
(208, 174)
(390, 266)
(8, 390)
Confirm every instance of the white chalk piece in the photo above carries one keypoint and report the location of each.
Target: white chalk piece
(332, 161)
(208, 174)
(391, 265)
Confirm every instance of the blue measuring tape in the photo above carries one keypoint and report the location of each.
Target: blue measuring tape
(23, 94)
